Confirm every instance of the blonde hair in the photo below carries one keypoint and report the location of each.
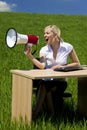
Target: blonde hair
(55, 30)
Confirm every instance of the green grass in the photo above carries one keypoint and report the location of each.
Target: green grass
(74, 30)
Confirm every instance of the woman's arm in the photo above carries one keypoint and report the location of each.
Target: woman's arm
(40, 65)
(74, 58)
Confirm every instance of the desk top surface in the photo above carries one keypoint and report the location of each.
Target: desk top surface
(48, 73)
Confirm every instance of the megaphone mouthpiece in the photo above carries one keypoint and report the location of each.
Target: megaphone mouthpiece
(33, 39)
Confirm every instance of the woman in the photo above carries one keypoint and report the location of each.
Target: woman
(53, 55)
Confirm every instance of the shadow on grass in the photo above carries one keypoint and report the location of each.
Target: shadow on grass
(66, 113)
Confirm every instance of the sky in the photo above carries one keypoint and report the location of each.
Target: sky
(72, 7)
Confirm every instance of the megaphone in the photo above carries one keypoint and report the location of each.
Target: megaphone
(13, 38)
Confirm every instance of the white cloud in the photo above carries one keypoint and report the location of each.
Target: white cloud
(5, 7)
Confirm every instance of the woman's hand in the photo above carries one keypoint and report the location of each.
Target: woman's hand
(57, 66)
(28, 51)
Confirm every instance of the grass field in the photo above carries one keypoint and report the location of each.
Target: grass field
(74, 31)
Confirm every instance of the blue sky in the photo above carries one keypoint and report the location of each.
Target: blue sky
(77, 7)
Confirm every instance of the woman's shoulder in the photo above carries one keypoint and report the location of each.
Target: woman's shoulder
(66, 44)
(45, 48)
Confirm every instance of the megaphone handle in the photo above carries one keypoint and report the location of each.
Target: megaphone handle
(27, 46)
(34, 51)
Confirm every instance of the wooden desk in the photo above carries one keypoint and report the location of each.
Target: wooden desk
(22, 90)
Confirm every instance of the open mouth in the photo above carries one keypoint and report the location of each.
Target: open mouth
(46, 39)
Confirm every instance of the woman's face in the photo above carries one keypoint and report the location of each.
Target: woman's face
(49, 36)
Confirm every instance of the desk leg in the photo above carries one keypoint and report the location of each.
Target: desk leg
(82, 95)
(21, 98)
